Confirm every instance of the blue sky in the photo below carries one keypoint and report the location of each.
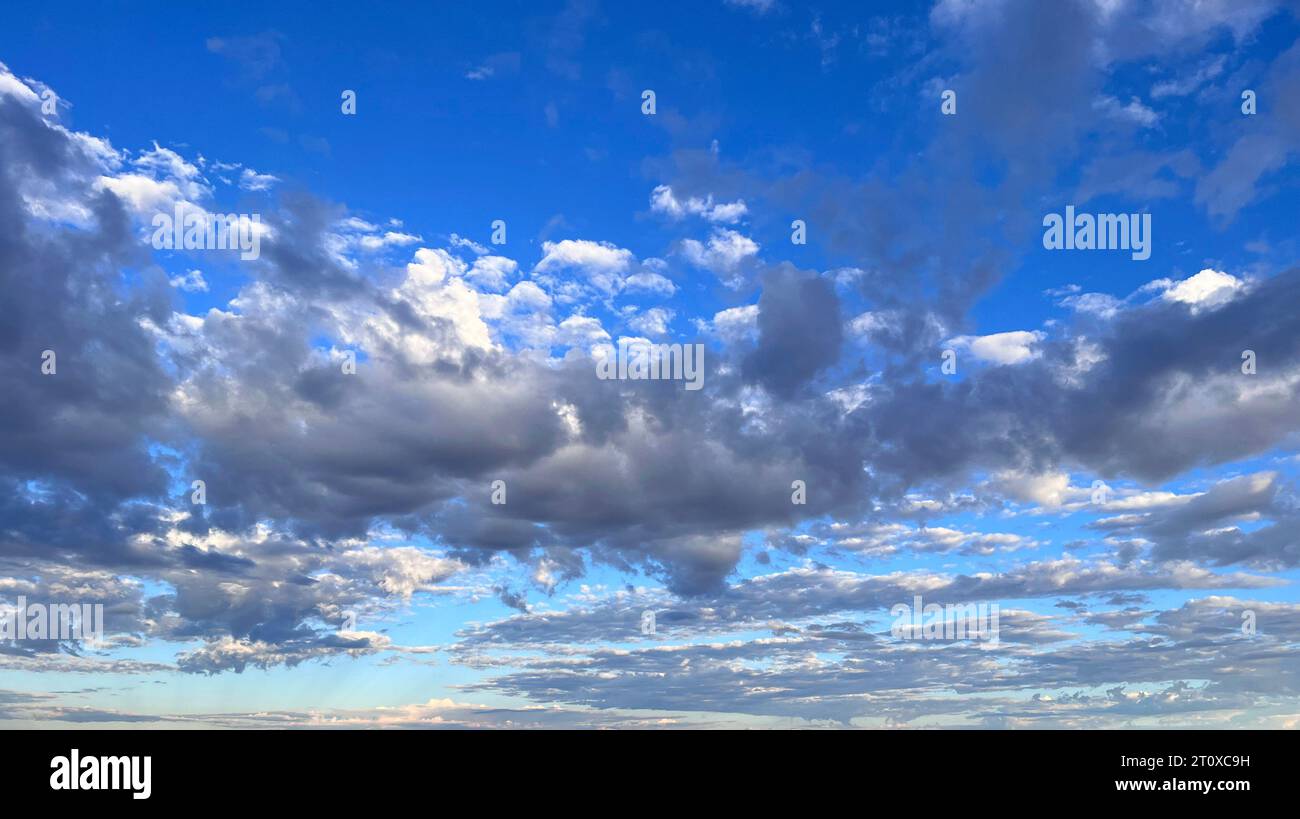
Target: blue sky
(331, 492)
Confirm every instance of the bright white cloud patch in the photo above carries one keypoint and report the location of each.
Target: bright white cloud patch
(663, 200)
(1015, 347)
(1206, 290)
(594, 258)
(724, 254)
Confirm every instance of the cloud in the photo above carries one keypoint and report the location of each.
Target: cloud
(1255, 153)
(1001, 349)
(653, 322)
(756, 6)
(736, 323)
(726, 252)
(256, 55)
(593, 655)
(594, 258)
(1206, 290)
(1133, 111)
(191, 282)
(251, 180)
(1189, 83)
(799, 331)
(663, 200)
(501, 64)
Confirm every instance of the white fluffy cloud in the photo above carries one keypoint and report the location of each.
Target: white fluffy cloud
(594, 258)
(735, 323)
(601, 265)
(663, 200)
(653, 322)
(1206, 290)
(1015, 347)
(724, 254)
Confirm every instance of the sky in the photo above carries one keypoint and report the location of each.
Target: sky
(420, 505)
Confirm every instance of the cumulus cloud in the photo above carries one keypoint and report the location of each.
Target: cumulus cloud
(724, 254)
(663, 200)
(1015, 347)
(1205, 290)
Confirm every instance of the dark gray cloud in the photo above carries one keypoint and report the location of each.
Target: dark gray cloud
(799, 331)
(62, 294)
